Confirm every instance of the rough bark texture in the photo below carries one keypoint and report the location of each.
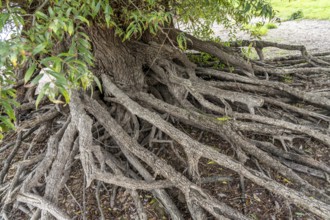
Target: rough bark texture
(151, 90)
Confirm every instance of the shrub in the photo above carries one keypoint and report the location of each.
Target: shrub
(271, 26)
(257, 30)
(296, 15)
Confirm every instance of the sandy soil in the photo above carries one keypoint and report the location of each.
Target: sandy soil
(314, 34)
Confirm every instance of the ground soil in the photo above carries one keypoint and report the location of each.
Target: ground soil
(314, 34)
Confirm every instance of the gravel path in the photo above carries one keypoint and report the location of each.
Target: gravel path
(314, 34)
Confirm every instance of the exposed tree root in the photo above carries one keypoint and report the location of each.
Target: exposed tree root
(265, 110)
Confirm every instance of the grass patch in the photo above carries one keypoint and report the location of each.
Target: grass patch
(271, 26)
(257, 30)
(310, 9)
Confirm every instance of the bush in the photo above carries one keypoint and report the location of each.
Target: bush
(257, 30)
(271, 26)
(296, 15)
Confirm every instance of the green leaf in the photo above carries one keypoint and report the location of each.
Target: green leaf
(98, 83)
(68, 12)
(8, 109)
(11, 92)
(36, 79)
(29, 73)
(65, 94)
(13, 59)
(54, 26)
(56, 101)
(58, 66)
(84, 43)
(51, 12)
(46, 61)
(70, 28)
(130, 30)
(247, 7)
(42, 93)
(39, 48)
(182, 41)
(3, 19)
(6, 121)
(300, 214)
(83, 19)
(96, 9)
(41, 15)
(18, 20)
(60, 78)
(224, 118)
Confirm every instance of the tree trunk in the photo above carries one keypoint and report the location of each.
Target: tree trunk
(120, 60)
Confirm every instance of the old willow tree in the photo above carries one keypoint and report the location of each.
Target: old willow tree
(115, 91)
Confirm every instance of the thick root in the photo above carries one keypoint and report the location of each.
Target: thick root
(121, 139)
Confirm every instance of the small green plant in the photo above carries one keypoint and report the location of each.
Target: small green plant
(249, 53)
(7, 102)
(224, 119)
(271, 26)
(296, 15)
(205, 59)
(300, 214)
(287, 78)
(202, 58)
(257, 30)
(253, 216)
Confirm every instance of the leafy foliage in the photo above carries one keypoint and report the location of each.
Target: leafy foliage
(271, 26)
(199, 16)
(257, 30)
(7, 101)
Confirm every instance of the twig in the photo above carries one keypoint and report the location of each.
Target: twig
(84, 198)
(73, 197)
(27, 134)
(97, 196)
(139, 206)
(113, 196)
(6, 163)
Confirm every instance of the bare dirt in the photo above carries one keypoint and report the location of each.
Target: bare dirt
(314, 34)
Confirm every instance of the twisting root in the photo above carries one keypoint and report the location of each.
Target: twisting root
(268, 111)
